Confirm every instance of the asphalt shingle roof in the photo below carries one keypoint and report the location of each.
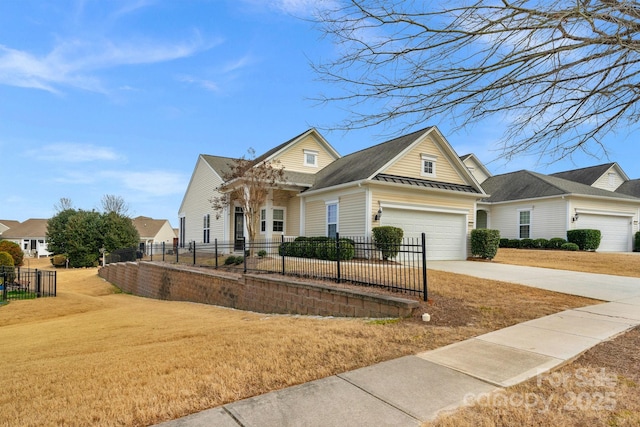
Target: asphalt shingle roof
(364, 163)
(529, 185)
(631, 188)
(31, 228)
(586, 176)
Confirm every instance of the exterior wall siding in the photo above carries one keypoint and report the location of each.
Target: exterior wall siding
(315, 218)
(410, 164)
(548, 218)
(293, 158)
(196, 204)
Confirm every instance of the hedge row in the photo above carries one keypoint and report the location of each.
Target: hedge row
(318, 247)
(637, 242)
(584, 240)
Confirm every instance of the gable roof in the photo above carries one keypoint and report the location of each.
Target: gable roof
(31, 228)
(148, 227)
(525, 184)
(369, 162)
(275, 150)
(220, 164)
(631, 188)
(589, 175)
(477, 161)
(9, 223)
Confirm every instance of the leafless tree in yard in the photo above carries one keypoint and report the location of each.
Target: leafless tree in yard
(248, 184)
(113, 203)
(560, 74)
(63, 204)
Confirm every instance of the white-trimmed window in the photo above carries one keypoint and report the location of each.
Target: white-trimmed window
(428, 167)
(332, 219)
(263, 220)
(206, 228)
(278, 220)
(311, 158)
(524, 224)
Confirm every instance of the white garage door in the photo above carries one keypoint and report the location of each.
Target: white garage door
(446, 233)
(615, 230)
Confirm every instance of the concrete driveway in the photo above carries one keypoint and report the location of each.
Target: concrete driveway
(598, 286)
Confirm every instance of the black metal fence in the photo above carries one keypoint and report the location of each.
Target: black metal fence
(25, 283)
(356, 260)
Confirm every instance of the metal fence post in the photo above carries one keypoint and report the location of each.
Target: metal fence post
(55, 283)
(194, 252)
(4, 285)
(282, 249)
(177, 255)
(38, 283)
(151, 253)
(215, 247)
(244, 253)
(424, 267)
(338, 255)
(163, 251)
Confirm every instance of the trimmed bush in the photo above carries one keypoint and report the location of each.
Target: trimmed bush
(514, 243)
(587, 240)
(637, 243)
(262, 253)
(504, 243)
(485, 242)
(6, 264)
(569, 247)
(556, 243)
(59, 260)
(14, 250)
(388, 240)
(540, 243)
(230, 260)
(329, 251)
(318, 247)
(526, 244)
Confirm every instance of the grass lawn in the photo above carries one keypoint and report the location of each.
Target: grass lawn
(95, 356)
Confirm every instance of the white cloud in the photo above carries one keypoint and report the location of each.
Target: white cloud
(206, 84)
(71, 62)
(73, 153)
(152, 182)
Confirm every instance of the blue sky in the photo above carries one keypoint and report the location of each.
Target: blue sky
(119, 97)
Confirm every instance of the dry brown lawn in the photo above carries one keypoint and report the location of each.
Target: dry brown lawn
(619, 264)
(92, 356)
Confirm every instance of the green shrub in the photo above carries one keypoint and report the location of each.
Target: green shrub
(637, 242)
(587, 240)
(504, 243)
(59, 260)
(239, 260)
(14, 250)
(569, 247)
(514, 243)
(262, 253)
(556, 243)
(526, 244)
(484, 243)
(230, 260)
(540, 243)
(388, 240)
(6, 265)
(329, 251)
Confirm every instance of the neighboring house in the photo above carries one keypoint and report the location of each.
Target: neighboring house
(416, 182)
(154, 231)
(527, 204)
(31, 236)
(6, 224)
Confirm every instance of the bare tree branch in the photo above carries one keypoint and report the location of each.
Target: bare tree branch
(560, 74)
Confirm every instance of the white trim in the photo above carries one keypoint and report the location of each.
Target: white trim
(368, 204)
(424, 208)
(326, 216)
(519, 223)
(314, 153)
(303, 213)
(580, 211)
(431, 159)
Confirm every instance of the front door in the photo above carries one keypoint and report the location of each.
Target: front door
(238, 228)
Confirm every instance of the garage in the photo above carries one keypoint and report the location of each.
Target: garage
(446, 232)
(615, 230)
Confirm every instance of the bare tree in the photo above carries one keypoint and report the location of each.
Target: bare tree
(63, 204)
(113, 203)
(560, 74)
(247, 185)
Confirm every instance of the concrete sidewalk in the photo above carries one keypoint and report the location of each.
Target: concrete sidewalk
(413, 389)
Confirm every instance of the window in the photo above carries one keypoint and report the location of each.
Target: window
(332, 219)
(428, 166)
(263, 220)
(612, 179)
(278, 220)
(311, 158)
(525, 224)
(206, 234)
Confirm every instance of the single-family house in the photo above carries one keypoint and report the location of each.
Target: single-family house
(416, 182)
(527, 204)
(154, 232)
(6, 224)
(31, 236)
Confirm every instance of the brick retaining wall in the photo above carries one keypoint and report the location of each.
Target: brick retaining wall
(260, 293)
